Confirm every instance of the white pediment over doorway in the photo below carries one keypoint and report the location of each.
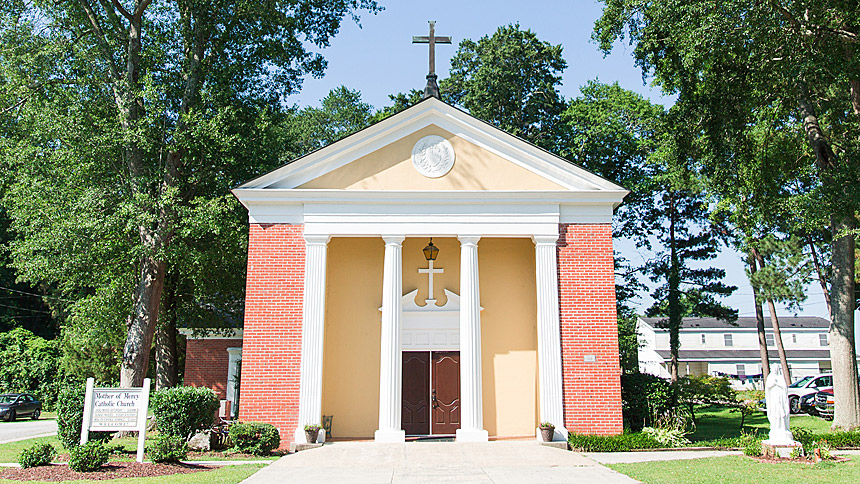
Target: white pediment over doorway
(430, 327)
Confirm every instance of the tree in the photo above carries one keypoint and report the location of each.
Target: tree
(735, 61)
(342, 112)
(143, 101)
(510, 80)
(614, 132)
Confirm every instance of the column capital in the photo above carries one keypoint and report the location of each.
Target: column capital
(468, 239)
(317, 239)
(393, 239)
(545, 239)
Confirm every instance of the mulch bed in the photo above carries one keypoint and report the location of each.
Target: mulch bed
(111, 470)
(776, 460)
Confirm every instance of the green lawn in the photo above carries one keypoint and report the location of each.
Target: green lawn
(714, 422)
(9, 452)
(739, 470)
(223, 475)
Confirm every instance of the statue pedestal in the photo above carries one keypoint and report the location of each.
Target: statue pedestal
(780, 450)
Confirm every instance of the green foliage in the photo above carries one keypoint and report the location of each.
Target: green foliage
(748, 404)
(751, 444)
(88, 457)
(804, 436)
(510, 79)
(644, 397)
(70, 416)
(667, 437)
(705, 389)
(39, 454)
(255, 437)
(612, 443)
(30, 364)
(181, 411)
(168, 448)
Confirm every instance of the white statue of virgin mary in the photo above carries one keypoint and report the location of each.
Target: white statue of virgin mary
(776, 398)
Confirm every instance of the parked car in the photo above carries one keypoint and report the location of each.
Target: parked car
(807, 404)
(824, 403)
(14, 405)
(808, 385)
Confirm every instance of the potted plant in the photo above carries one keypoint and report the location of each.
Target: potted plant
(312, 431)
(547, 431)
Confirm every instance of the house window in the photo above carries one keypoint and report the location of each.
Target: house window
(742, 370)
(794, 338)
(727, 338)
(822, 339)
(768, 338)
(703, 339)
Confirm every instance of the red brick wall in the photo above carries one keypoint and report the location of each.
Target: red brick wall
(271, 354)
(586, 280)
(206, 362)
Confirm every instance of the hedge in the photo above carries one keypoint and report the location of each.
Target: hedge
(612, 443)
(70, 416)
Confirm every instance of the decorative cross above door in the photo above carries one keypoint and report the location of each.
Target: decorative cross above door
(430, 270)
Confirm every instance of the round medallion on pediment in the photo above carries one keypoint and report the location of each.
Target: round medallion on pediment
(433, 156)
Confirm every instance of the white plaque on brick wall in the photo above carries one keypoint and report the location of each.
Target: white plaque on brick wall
(433, 156)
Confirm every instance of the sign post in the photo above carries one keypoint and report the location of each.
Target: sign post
(116, 409)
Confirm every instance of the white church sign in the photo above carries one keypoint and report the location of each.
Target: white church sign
(116, 409)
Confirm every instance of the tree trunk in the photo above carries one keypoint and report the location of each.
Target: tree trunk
(843, 354)
(777, 338)
(166, 375)
(846, 412)
(759, 324)
(674, 294)
(135, 356)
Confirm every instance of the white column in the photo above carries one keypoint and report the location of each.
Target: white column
(549, 335)
(313, 324)
(471, 405)
(390, 358)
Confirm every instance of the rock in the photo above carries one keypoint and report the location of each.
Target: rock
(201, 441)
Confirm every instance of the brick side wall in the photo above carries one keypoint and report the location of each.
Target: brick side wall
(592, 390)
(271, 354)
(206, 363)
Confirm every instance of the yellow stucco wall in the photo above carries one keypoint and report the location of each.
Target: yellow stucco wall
(508, 332)
(390, 168)
(352, 334)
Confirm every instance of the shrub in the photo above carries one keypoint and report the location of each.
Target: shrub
(705, 389)
(70, 416)
(667, 437)
(38, 455)
(804, 436)
(88, 457)
(751, 444)
(181, 411)
(612, 443)
(643, 398)
(168, 448)
(841, 439)
(30, 364)
(255, 437)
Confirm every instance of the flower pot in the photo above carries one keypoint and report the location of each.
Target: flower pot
(547, 433)
(311, 435)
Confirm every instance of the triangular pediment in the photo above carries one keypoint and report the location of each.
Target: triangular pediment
(379, 158)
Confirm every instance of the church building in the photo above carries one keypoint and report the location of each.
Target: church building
(430, 275)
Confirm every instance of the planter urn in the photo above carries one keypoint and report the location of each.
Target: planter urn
(547, 433)
(311, 435)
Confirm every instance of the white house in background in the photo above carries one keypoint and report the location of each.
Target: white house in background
(711, 346)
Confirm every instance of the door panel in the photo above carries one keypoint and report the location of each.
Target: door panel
(415, 409)
(446, 392)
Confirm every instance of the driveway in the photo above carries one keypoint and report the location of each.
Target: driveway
(26, 429)
(437, 462)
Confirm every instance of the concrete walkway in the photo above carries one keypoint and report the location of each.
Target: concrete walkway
(437, 462)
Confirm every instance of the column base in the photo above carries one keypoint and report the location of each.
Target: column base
(472, 435)
(560, 435)
(389, 435)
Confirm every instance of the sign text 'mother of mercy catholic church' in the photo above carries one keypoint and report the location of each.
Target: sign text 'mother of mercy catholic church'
(115, 409)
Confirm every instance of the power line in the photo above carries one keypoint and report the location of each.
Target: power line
(37, 295)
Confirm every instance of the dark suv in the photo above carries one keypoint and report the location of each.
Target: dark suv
(14, 405)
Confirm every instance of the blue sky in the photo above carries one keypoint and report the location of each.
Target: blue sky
(379, 59)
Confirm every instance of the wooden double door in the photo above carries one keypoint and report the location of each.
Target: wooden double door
(431, 392)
